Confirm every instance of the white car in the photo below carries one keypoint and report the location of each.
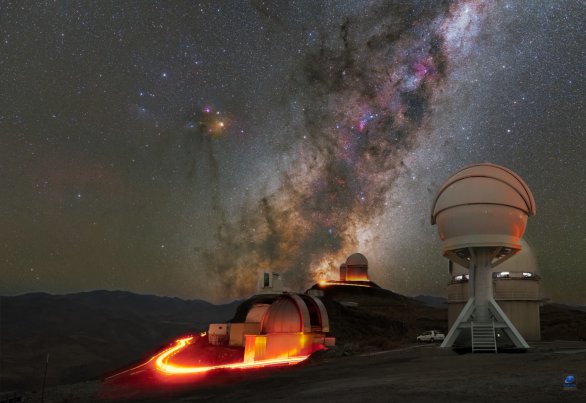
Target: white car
(431, 336)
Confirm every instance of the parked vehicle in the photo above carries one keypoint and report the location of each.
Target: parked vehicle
(431, 336)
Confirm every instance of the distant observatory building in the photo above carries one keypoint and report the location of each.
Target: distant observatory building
(481, 213)
(269, 283)
(356, 268)
(277, 327)
(353, 272)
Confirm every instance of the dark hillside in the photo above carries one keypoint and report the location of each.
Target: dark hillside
(90, 334)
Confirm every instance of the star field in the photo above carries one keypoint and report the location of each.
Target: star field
(180, 148)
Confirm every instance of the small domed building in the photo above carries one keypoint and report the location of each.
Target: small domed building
(356, 268)
(293, 325)
(353, 272)
(287, 325)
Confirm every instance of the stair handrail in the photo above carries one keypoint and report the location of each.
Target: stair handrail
(494, 337)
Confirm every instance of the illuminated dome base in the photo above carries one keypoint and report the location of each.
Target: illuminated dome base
(337, 283)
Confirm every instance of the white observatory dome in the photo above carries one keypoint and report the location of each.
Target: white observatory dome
(356, 259)
(256, 313)
(294, 313)
(482, 205)
(357, 267)
(282, 317)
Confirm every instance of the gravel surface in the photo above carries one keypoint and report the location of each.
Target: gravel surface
(415, 373)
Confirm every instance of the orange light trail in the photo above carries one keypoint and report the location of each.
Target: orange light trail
(329, 283)
(163, 365)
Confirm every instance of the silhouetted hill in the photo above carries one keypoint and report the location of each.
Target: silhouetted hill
(89, 334)
(562, 322)
(430, 300)
(363, 318)
(92, 334)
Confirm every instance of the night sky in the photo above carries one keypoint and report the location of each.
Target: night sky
(179, 148)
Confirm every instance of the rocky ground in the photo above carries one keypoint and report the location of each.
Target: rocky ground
(413, 373)
(92, 335)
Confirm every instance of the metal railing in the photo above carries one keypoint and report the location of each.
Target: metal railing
(499, 296)
(517, 295)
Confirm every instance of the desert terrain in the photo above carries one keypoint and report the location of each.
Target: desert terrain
(92, 335)
(415, 373)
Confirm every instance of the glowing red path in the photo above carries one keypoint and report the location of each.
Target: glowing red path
(324, 283)
(163, 364)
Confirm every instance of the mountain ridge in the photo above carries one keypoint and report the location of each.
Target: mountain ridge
(91, 333)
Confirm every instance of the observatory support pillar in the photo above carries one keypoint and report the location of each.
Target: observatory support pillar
(480, 267)
(481, 310)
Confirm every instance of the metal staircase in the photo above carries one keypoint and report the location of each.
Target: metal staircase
(483, 339)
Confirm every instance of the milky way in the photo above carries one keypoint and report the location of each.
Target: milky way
(180, 148)
(363, 98)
